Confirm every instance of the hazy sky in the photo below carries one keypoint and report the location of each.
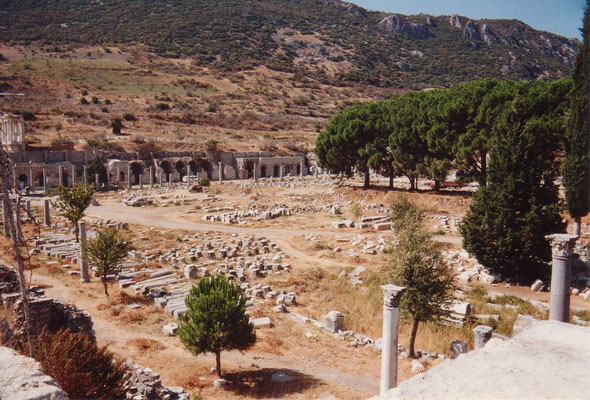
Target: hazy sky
(563, 17)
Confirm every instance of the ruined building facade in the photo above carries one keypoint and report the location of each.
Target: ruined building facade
(41, 168)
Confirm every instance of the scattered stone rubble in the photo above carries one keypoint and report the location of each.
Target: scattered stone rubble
(144, 384)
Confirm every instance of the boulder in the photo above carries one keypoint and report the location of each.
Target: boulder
(535, 287)
(334, 321)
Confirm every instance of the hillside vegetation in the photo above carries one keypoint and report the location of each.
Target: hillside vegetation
(332, 41)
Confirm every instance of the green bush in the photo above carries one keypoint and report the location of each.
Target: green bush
(162, 106)
(95, 100)
(83, 100)
(204, 181)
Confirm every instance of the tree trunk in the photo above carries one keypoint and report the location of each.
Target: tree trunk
(104, 282)
(367, 179)
(412, 183)
(390, 182)
(483, 177)
(577, 224)
(76, 231)
(413, 337)
(436, 185)
(218, 363)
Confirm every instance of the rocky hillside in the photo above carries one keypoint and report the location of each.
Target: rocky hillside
(331, 40)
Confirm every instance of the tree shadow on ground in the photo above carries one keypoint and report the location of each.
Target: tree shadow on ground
(259, 384)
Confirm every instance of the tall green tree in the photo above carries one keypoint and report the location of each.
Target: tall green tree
(97, 166)
(347, 143)
(74, 202)
(106, 252)
(216, 319)
(576, 166)
(416, 263)
(507, 221)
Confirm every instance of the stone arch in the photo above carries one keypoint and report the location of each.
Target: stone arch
(298, 170)
(166, 168)
(23, 181)
(202, 165)
(263, 171)
(136, 171)
(65, 179)
(276, 171)
(181, 168)
(39, 178)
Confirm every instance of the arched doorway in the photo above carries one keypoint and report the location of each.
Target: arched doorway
(136, 171)
(181, 168)
(299, 170)
(276, 171)
(65, 179)
(22, 181)
(263, 171)
(40, 179)
(166, 168)
(287, 170)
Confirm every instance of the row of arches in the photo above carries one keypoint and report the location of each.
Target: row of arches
(168, 168)
(270, 171)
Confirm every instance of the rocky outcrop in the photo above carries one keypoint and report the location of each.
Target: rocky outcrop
(144, 384)
(471, 31)
(488, 36)
(21, 378)
(402, 26)
(457, 21)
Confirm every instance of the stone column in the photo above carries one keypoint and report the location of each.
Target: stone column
(160, 177)
(170, 180)
(151, 176)
(60, 172)
(85, 177)
(315, 170)
(128, 176)
(28, 207)
(19, 236)
(141, 180)
(5, 222)
(188, 175)
(119, 176)
(220, 167)
(96, 182)
(84, 276)
(391, 298)
(481, 335)
(301, 166)
(31, 184)
(44, 181)
(282, 170)
(46, 214)
(562, 247)
(255, 170)
(73, 175)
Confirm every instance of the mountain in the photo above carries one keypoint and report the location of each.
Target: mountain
(330, 39)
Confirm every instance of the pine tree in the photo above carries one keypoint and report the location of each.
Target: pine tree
(576, 166)
(74, 202)
(507, 221)
(216, 319)
(417, 264)
(106, 252)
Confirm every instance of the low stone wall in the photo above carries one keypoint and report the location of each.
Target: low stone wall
(23, 378)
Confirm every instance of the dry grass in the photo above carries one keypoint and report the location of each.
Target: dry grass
(145, 344)
(131, 316)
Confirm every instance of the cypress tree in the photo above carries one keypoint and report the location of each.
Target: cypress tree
(216, 319)
(576, 166)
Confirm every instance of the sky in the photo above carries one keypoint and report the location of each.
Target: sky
(563, 17)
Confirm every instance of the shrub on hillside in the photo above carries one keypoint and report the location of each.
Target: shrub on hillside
(204, 181)
(80, 367)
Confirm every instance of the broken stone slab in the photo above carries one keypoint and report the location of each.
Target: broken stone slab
(456, 348)
(522, 323)
(334, 321)
(537, 285)
(170, 329)
(417, 366)
(263, 322)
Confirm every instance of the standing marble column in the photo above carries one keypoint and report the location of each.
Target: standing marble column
(44, 181)
(96, 181)
(391, 298)
(562, 247)
(31, 183)
(151, 176)
(220, 168)
(160, 178)
(301, 167)
(119, 177)
(85, 177)
(60, 172)
(170, 180)
(84, 276)
(141, 180)
(282, 170)
(255, 172)
(28, 208)
(188, 175)
(73, 175)
(128, 176)
(46, 212)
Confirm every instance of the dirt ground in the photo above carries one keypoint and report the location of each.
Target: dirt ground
(320, 363)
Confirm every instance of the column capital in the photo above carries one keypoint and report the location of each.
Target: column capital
(392, 295)
(562, 244)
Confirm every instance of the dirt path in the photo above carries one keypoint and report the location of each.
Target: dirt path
(118, 336)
